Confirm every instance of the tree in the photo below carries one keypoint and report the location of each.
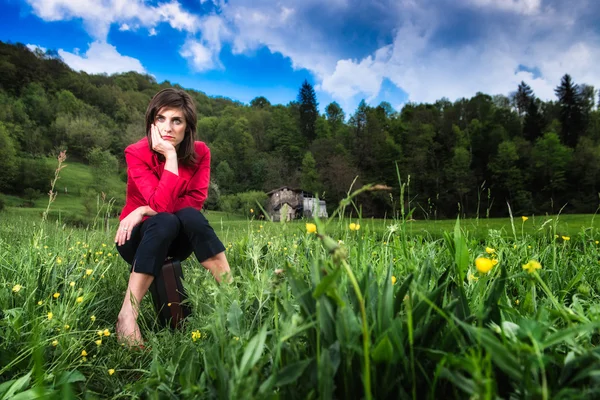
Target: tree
(534, 123)
(104, 167)
(8, 161)
(307, 101)
(224, 177)
(260, 102)
(310, 180)
(571, 111)
(523, 97)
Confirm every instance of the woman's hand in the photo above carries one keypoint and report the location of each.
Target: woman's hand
(160, 145)
(127, 225)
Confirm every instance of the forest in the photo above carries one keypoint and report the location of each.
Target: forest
(472, 156)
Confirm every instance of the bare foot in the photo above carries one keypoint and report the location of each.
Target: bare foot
(128, 331)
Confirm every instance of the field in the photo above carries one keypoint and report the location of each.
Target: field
(393, 309)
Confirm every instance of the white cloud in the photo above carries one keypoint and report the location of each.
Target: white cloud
(124, 27)
(101, 58)
(152, 32)
(526, 7)
(34, 47)
(200, 56)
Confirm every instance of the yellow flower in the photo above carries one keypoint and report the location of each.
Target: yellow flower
(84, 353)
(50, 315)
(79, 299)
(72, 284)
(67, 327)
(260, 226)
(109, 255)
(45, 247)
(472, 277)
(483, 264)
(394, 280)
(99, 333)
(524, 218)
(58, 260)
(514, 246)
(106, 332)
(252, 211)
(98, 342)
(597, 242)
(531, 266)
(93, 318)
(40, 303)
(566, 238)
(16, 288)
(103, 244)
(83, 359)
(489, 250)
(354, 227)
(196, 335)
(111, 371)
(494, 262)
(88, 271)
(311, 228)
(56, 295)
(55, 343)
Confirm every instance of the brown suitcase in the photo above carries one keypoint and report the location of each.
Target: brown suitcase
(169, 296)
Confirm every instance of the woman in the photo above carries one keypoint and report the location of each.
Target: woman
(168, 176)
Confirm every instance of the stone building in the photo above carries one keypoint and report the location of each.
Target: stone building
(288, 204)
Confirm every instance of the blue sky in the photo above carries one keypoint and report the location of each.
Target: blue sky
(381, 50)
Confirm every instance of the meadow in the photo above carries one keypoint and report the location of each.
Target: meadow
(343, 308)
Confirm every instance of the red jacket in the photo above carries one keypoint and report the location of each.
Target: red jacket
(148, 184)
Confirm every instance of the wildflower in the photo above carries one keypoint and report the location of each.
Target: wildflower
(111, 371)
(99, 333)
(83, 353)
(394, 280)
(237, 339)
(16, 288)
(88, 271)
(285, 249)
(58, 260)
(79, 299)
(196, 335)
(109, 255)
(50, 315)
(78, 243)
(93, 318)
(494, 262)
(472, 277)
(524, 218)
(103, 244)
(55, 343)
(260, 226)
(45, 247)
(98, 342)
(67, 327)
(489, 250)
(354, 227)
(311, 228)
(483, 264)
(517, 301)
(56, 295)
(251, 211)
(566, 238)
(40, 303)
(106, 332)
(72, 284)
(514, 246)
(531, 266)
(597, 242)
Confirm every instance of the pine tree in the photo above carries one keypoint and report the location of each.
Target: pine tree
(523, 97)
(308, 111)
(571, 111)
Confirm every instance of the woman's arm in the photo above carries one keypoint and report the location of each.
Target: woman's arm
(197, 188)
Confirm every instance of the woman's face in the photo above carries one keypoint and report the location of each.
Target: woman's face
(171, 125)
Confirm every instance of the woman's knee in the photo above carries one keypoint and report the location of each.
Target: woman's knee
(190, 217)
(165, 225)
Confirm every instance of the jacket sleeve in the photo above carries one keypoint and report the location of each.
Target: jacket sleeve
(197, 189)
(160, 194)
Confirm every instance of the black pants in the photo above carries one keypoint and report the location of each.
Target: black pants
(174, 235)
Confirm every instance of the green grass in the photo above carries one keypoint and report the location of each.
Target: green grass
(293, 323)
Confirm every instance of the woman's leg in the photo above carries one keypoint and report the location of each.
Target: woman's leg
(157, 234)
(207, 247)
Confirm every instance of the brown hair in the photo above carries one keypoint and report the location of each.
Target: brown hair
(175, 98)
